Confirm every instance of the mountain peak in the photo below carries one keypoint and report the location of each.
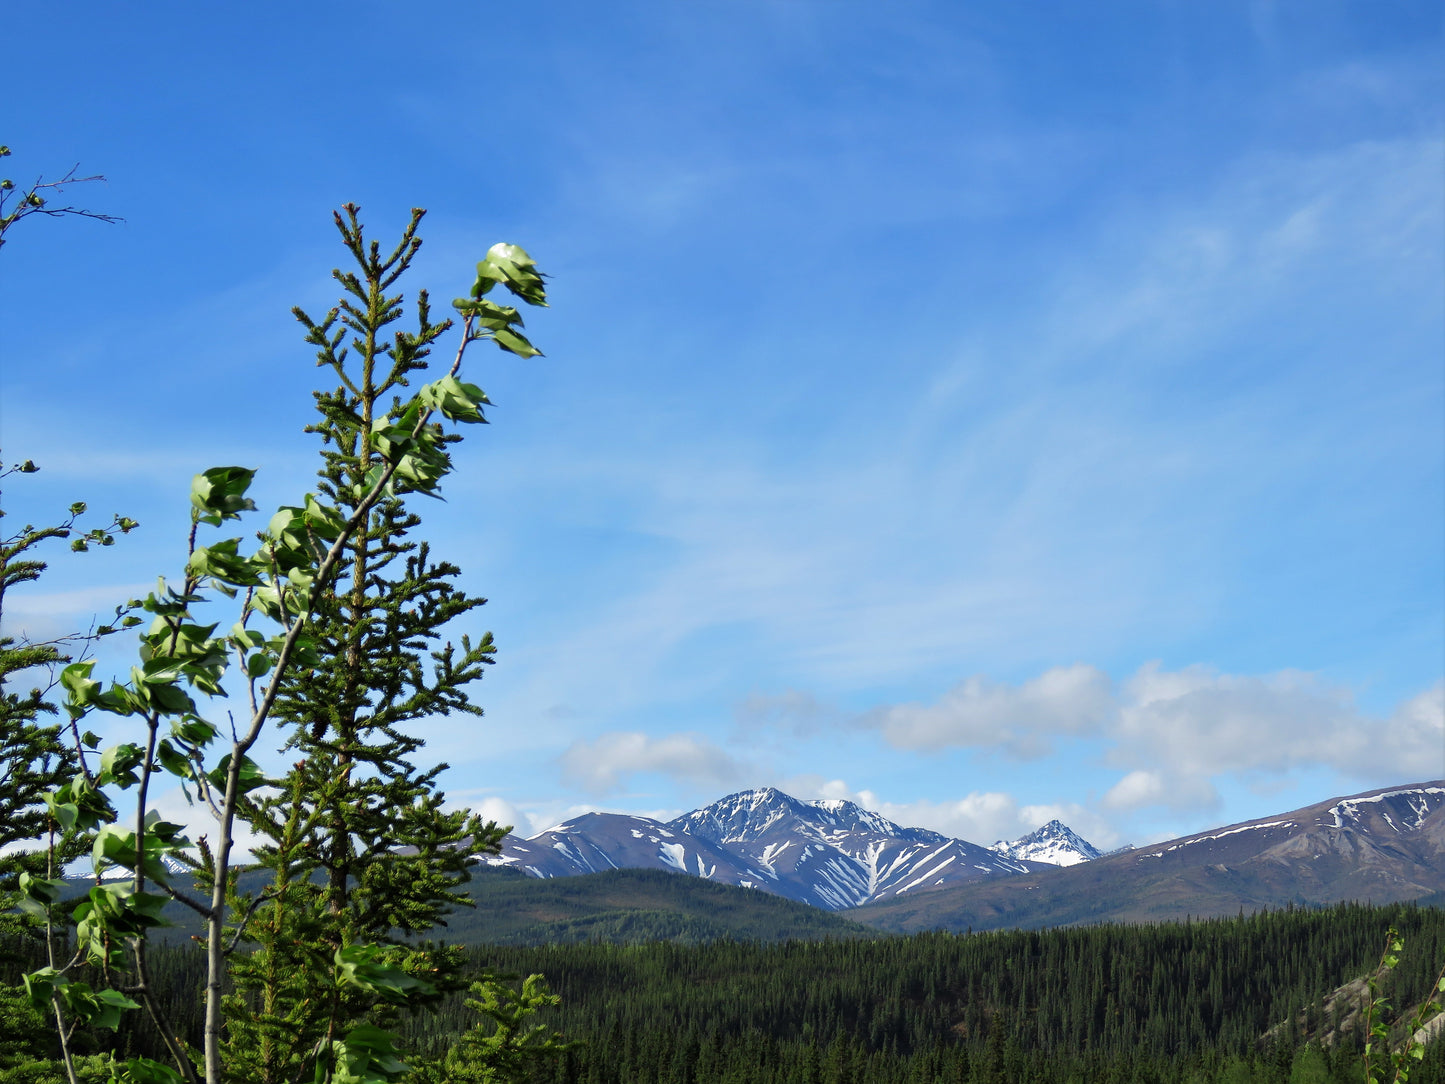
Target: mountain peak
(739, 817)
(1055, 843)
(750, 815)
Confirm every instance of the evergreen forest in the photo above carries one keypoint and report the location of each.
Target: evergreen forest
(1239, 1000)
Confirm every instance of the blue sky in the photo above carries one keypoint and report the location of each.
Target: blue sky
(984, 412)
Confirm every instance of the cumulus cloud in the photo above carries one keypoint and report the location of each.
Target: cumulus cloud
(602, 766)
(1414, 734)
(1172, 734)
(979, 817)
(1197, 723)
(1020, 719)
(503, 813)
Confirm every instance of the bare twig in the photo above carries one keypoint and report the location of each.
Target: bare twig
(32, 202)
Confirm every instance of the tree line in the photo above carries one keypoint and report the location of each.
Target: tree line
(1223, 1000)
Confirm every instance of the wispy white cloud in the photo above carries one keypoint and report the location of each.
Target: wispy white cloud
(1047, 494)
(793, 711)
(604, 764)
(1021, 719)
(1143, 788)
(46, 615)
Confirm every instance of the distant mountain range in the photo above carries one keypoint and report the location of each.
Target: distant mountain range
(831, 854)
(1382, 845)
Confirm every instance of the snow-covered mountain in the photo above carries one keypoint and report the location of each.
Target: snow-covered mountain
(1055, 843)
(1383, 845)
(832, 854)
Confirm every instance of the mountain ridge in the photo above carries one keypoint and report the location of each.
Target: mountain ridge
(1385, 845)
(829, 853)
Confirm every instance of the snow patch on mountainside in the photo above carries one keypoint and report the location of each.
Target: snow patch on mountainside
(675, 855)
(1417, 801)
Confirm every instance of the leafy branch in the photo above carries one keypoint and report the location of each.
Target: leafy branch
(1379, 1052)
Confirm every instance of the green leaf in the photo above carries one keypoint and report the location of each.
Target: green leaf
(195, 731)
(220, 494)
(362, 966)
(98, 1008)
(170, 699)
(118, 764)
(511, 266)
(42, 889)
(367, 1055)
(455, 399)
(516, 343)
(39, 893)
(223, 562)
(325, 521)
(75, 679)
(172, 760)
(248, 777)
(41, 985)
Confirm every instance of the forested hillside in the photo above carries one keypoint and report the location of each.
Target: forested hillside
(632, 905)
(1186, 1003)
(1174, 1002)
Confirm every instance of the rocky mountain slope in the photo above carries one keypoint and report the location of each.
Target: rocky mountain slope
(1384, 845)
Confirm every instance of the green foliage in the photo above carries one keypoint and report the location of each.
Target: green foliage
(1380, 1054)
(36, 836)
(506, 1044)
(334, 610)
(945, 1008)
(33, 757)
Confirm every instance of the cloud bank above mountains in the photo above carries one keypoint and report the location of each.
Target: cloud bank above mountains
(1167, 737)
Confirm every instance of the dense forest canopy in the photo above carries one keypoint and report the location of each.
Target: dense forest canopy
(1239, 1000)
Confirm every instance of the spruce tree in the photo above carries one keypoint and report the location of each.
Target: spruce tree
(359, 848)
